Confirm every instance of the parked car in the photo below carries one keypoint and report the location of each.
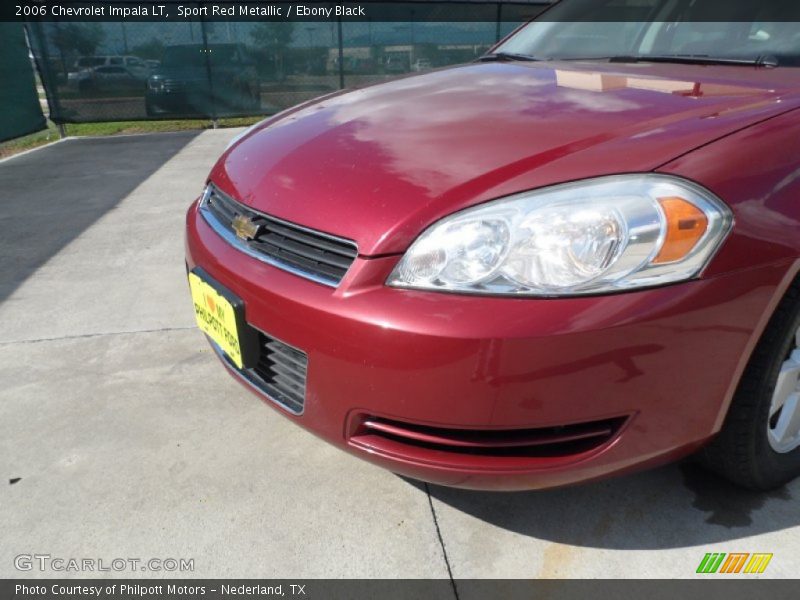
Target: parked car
(107, 78)
(135, 65)
(421, 64)
(574, 258)
(194, 79)
(395, 64)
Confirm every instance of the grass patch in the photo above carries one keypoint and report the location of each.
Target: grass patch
(27, 142)
(115, 128)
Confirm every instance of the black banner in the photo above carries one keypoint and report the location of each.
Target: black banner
(366, 11)
(160, 11)
(742, 588)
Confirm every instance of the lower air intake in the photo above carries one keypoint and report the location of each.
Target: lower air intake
(280, 373)
(464, 446)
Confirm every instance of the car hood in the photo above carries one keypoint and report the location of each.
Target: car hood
(380, 164)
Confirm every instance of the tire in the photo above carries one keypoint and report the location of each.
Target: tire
(744, 451)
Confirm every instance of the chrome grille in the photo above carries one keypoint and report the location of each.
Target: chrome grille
(179, 85)
(174, 86)
(318, 256)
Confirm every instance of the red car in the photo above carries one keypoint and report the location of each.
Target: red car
(576, 257)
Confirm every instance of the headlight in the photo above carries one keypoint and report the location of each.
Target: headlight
(598, 235)
(156, 85)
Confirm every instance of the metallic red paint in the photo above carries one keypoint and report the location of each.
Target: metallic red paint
(377, 165)
(381, 164)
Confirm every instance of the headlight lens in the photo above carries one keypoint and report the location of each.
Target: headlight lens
(599, 235)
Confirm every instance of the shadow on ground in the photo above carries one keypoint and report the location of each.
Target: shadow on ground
(671, 507)
(53, 194)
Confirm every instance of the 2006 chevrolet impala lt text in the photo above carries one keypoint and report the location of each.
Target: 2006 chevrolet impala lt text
(576, 257)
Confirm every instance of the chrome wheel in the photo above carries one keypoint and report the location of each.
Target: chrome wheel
(783, 426)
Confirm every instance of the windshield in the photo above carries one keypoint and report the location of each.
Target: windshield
(746, 30)
(194, 55)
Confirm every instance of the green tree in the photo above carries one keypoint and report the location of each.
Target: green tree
(75, 38)
(274, 38)
(273, 35)
(78, 38)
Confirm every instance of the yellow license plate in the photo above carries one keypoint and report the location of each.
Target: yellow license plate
(216, 317)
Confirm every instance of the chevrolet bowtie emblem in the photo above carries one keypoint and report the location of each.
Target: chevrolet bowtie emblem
(244, 227)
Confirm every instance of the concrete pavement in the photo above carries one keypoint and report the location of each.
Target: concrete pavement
(130, 441)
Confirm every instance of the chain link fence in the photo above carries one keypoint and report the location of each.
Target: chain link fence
(115, 71)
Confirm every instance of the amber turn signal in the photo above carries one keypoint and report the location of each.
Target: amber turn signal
(686, 225)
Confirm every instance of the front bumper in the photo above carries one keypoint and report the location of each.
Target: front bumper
(659, 364)
(177, 103)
